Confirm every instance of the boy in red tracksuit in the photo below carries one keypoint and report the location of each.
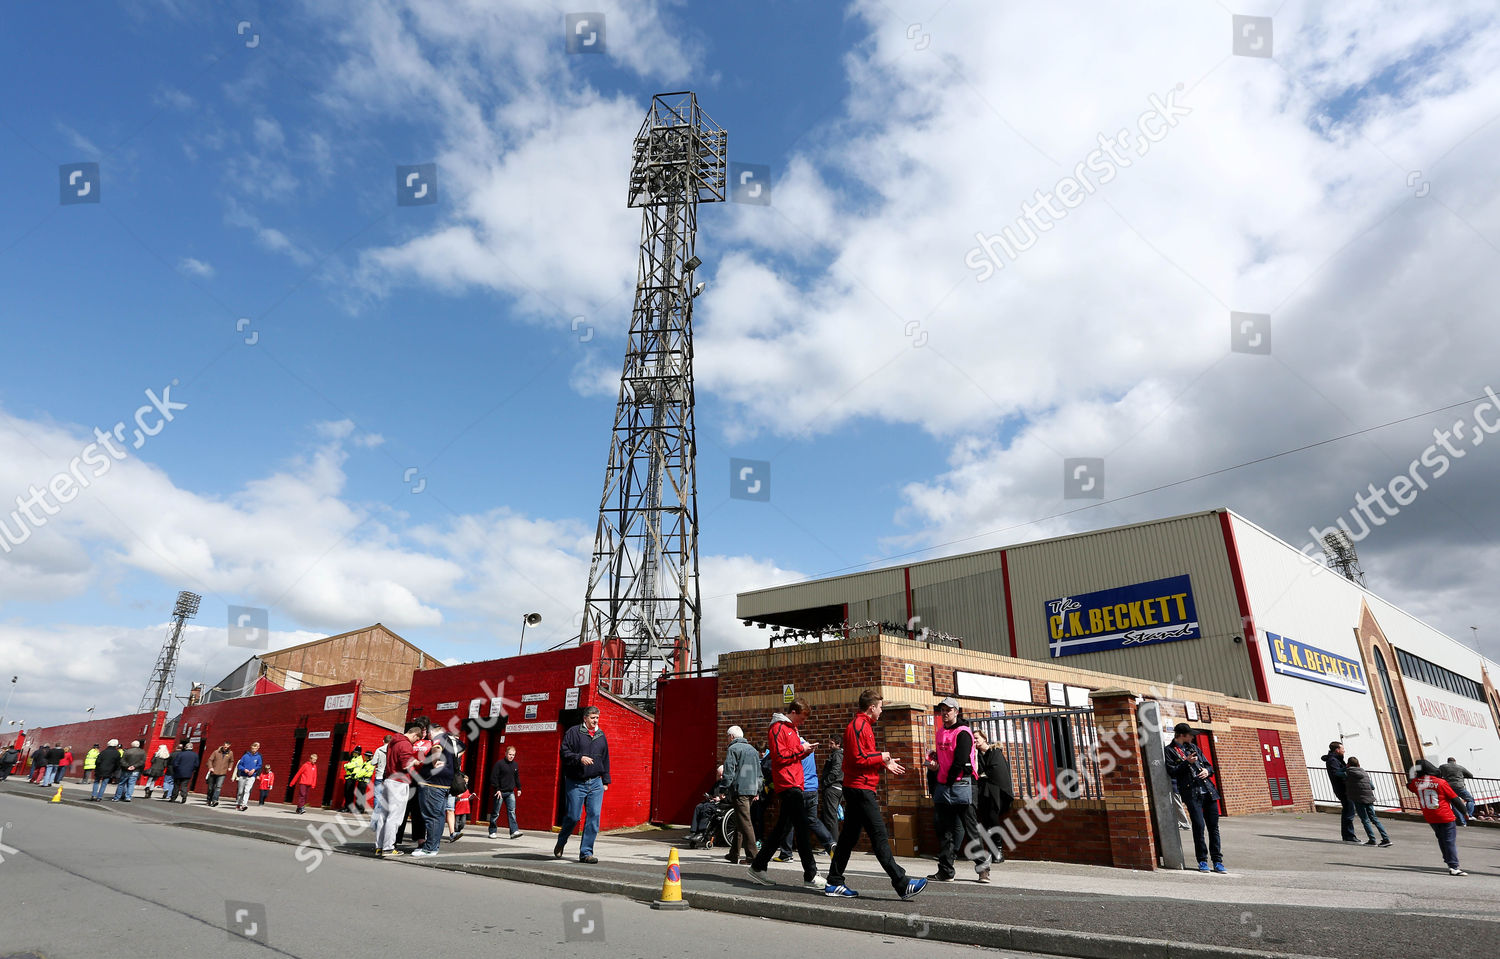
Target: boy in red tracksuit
(863, 762)
(266, 783)
(1433, 794)
(788, 749)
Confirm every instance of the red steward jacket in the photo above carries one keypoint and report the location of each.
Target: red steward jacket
(862, 762)
(786, 756)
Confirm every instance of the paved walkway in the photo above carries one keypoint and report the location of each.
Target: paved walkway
(1292, 888)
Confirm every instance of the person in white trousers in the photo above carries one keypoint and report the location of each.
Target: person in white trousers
(400, 760)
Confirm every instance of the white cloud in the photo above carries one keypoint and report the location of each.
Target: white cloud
(195, 267)
(268, 237)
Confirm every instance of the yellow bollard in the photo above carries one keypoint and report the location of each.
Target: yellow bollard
(57, 796)
(671, 886)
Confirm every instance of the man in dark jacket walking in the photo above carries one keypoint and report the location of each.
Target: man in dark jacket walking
(106, 768)
(1338, 775)
(505, 786)
(54, 772)
(585, 762)
(132, 761)
(433, 786)
(1362, 795)
(831, 782)
(1187, 767)
(184, 765)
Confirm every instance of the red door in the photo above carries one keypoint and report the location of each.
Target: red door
(1206, 747)
(1277, 780)
(1043, 758)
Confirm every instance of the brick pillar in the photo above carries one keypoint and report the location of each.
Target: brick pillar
(1132, 841)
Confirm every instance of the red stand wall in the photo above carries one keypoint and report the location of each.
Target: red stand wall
(538, 683)
(686, 749)
(143, 726)
(273, 720)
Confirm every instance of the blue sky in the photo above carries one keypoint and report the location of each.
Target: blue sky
(257, 182)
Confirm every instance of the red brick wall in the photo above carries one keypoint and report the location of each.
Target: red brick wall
(1115, 831)
(627, 802)
(1242, 766)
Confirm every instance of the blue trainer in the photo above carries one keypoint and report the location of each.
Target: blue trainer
(1203, 866)
(1219, 868)
(840, 891)
(913, 888)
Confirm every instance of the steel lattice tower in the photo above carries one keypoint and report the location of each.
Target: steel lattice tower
(159, 687)
(643, 581)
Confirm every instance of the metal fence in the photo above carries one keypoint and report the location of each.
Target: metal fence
(1040, 745)
(1390, 789)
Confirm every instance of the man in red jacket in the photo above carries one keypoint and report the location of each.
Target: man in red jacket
(1433, 795)
(787, 751)
(862, 764)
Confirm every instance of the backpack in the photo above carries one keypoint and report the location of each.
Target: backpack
(460, 783)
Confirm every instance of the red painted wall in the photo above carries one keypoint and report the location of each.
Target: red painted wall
(627, 802)
(539, 680)
(686, 757)
(143, 726)
(272, 720)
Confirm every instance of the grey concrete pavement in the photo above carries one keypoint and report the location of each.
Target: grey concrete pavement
(117, 886)
(1293, 887)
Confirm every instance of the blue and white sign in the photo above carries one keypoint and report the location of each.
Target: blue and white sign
(1291, 658)
(1161, 611)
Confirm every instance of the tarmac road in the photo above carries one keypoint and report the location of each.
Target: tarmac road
(1293, 887)
(103, 882)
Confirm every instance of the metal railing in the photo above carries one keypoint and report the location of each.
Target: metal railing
(1391, 793)
(1040, 745)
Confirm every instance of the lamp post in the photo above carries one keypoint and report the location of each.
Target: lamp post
(530, 619)
(8, 695)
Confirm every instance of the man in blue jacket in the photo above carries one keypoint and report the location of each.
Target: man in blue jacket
(183, 764)
(585, 763)
(810, 786)
(246, 771)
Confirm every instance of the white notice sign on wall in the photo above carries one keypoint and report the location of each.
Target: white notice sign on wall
(570, 699)
(531, 728)
(344, 701)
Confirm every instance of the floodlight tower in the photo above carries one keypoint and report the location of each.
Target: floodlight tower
(1342, 557)
(159, 688)
(643, 580)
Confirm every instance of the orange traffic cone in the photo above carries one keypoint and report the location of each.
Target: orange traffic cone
(671, 886)
(57, 796)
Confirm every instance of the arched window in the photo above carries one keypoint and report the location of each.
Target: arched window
(1395, 712)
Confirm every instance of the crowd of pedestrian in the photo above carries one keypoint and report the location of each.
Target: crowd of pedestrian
(415, 780)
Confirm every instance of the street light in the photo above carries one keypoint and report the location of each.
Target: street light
(530, 619)
(8, 695)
